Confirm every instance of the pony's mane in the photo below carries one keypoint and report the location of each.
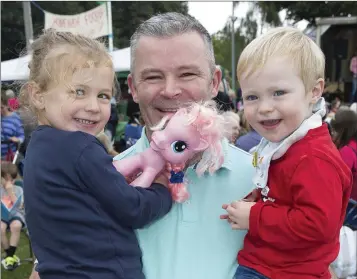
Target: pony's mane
(161, 125)
(212, 127)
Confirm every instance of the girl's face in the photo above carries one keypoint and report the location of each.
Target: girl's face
(83, 104)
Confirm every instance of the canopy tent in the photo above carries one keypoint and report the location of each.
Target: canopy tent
(17, 69)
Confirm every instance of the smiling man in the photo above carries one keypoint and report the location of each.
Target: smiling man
(173, 64)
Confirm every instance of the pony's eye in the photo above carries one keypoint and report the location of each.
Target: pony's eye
(179, 146)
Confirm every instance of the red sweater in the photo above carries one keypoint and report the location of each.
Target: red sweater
(297, 234)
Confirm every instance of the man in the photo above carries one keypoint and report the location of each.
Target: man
(172, 63)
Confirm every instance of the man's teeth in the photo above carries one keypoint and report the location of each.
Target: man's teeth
(168, 110)
(83, 121)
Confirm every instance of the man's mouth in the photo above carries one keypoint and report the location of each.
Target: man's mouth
(85, 121)
(167, 110)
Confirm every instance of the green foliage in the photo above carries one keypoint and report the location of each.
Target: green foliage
(307, 10)
(126, 16)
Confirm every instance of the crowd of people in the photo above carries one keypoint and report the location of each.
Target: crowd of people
(296, 154)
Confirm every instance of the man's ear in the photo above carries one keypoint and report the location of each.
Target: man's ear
(36, 95)
(217, 78)
(132, 88)
(317, 90)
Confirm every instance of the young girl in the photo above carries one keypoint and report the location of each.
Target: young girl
(81, 213)
(14, 221)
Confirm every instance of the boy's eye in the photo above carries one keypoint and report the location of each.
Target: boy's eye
(279, 93)
(250, 98)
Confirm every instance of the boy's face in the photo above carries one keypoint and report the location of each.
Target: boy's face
(275, 100)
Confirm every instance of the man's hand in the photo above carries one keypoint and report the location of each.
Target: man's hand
(162, 179)
(238, 214)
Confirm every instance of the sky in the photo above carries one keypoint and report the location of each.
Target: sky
(214, 15)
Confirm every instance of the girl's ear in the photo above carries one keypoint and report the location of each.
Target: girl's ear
(36, 96)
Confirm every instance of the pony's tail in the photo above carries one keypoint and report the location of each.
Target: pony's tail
(178, 191)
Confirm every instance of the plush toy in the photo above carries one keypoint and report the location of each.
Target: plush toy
(190, 131)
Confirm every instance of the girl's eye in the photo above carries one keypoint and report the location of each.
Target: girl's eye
(79, 92)
(279, 93)
(250, 98)
(104, 96)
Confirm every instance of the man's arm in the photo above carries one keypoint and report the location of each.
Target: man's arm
(132, 206)
(315, 216)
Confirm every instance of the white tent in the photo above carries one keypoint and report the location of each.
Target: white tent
(17, 69)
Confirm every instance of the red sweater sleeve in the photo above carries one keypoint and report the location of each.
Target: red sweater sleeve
(315, 214)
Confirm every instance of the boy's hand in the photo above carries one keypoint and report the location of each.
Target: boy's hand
(238, 214)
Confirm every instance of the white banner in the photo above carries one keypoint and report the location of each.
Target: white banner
(93, 23)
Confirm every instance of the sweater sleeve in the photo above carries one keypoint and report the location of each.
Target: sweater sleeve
(131, 206)
(314, 217)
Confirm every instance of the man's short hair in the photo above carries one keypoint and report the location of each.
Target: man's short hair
(169, 25)
(305, 55)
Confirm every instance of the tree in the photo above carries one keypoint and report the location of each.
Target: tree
(309, 11)
(126, 16)
(222, 42)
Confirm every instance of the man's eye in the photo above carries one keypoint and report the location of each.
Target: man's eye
(187, 74)
(153, 77)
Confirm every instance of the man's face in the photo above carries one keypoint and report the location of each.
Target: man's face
(169, 72)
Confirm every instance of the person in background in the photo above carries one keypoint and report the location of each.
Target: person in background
(353, 69)
(224, 102)
(10, 193)
(233, 117)
(12, 131)
(344, 127)
(335, 105)
(250, 139)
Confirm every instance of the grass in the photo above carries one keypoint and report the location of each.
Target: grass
(24, 270)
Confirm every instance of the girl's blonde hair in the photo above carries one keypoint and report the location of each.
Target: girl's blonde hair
(56, 56)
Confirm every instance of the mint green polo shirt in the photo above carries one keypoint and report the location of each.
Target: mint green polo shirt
(191, 241)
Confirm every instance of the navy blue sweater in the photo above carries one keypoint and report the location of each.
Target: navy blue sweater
(80, 212)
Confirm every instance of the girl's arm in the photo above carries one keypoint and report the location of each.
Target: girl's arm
(132, 206)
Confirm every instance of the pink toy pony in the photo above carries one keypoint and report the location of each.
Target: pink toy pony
(191, 130)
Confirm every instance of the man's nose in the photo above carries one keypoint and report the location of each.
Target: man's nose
(171, 89)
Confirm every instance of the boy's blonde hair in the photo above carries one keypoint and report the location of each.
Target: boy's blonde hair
(56, 56)
(306, 56)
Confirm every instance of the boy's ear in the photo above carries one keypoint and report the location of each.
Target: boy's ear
(317, 90)
(36, 95)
